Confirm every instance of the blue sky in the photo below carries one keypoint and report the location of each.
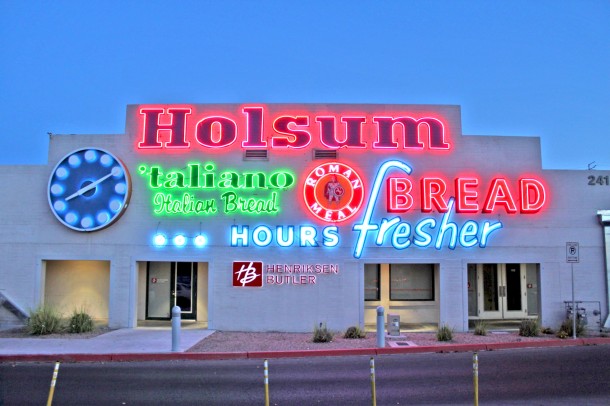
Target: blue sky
(523, 68)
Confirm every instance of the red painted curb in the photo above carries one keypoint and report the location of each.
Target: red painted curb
(431, 348)
(193, 356)
(210, 356)
(535, 344)
(311, 353)
(596, 340)
(461, 348)
(165, 356)
(56, 358)
(405, 350)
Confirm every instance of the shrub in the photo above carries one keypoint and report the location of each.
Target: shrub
(354, 332)
(547, 330)
(444, 333)
(321, 334)
(80, 322)
(566, 329)
(44, 320)
(480, 328)
(529, 328)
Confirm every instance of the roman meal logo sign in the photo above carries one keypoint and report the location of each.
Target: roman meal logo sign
(333, 192)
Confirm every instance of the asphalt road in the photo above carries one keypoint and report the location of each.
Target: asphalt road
(553, 376)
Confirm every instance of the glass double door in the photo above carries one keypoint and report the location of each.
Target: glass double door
(502, 292)
(171, 284)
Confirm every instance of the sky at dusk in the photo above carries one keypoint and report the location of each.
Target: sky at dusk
(520, 67)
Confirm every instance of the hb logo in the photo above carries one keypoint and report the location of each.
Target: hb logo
(247, 274)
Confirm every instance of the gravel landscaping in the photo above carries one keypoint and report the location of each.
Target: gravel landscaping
(226, 341)
(22, 332)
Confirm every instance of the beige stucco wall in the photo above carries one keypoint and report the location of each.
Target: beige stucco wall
(71, 285)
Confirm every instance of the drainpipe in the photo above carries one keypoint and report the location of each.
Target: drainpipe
(604, 218)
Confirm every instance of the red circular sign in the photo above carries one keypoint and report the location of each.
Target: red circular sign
(333, 192)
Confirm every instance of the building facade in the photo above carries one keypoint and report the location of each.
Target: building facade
(277, 217)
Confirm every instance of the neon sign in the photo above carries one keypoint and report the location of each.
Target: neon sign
(186, 191)
(284, 236)
(203, 176)
(333, 192)
(176, 128)
(420, 211)
(426, 231)
(434, 195)
(433, 231)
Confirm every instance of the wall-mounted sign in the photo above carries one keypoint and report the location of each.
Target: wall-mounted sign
(333, 192)
(385, 203)
(572, 252)
(199, 189)
(252, 273)
(247, 274)
(180, 128)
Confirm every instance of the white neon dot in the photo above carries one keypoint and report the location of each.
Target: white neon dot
(117, 171)
(62, 173)
(200, 240)
(57, 189)
(71, 218)
(106, 160)
(115, 205)
(86, 222)
(179, 240)
(120, 188)
(103, 217)
(90, 156)
(74, 161)
(159, 240)
(59, 206)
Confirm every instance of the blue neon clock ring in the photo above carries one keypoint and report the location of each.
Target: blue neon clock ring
(89, 189)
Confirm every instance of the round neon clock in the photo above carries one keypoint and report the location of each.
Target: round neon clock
(89, 189)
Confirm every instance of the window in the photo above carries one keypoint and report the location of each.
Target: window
(411, 282)
(371, 282)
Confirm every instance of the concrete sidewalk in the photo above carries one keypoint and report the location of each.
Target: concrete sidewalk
(122, 341)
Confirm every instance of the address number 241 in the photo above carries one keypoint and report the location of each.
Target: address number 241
(599, 180)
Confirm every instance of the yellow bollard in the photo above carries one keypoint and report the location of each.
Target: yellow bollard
(266, 383)
(475, 376)
(373, 394)
(52, 389)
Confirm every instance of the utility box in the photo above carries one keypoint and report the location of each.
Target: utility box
(393, 325)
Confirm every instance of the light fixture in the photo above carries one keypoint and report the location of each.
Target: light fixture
(200, 240)
(179, 240)
(160, 240)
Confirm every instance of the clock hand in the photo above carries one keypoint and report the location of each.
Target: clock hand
(91, 185)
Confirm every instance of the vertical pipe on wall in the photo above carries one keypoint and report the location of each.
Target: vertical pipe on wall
(604, 217)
